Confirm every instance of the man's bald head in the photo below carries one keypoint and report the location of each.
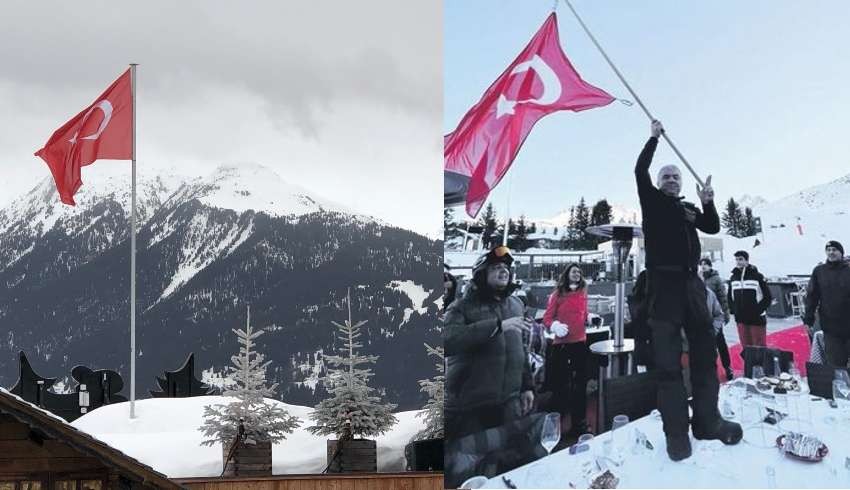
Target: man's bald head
(670, 180)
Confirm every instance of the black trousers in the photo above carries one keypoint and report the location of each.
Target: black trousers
(677, 301)
(464, 422)
(566, 378)
(723, 351)
(837, 350)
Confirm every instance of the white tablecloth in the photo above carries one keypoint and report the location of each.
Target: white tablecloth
(739, 466)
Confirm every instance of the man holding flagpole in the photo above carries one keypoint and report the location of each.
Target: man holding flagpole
(676, 301)
(105, 130)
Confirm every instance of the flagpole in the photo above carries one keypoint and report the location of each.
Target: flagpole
(629, 88)
(133, 253)
(508, 210)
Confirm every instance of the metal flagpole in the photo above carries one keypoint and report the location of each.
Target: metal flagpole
(133, 254)
(508, 210)
(629, 88)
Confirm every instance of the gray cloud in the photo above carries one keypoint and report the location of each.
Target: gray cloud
(270, 82)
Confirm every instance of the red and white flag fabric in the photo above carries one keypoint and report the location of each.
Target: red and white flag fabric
(540, 81)
(103, 130)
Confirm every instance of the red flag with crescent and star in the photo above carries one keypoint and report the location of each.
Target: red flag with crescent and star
(102, 131)
(540, 81)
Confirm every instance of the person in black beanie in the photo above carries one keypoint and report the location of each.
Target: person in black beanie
(828, 292)
(488, 375)
(676, 299)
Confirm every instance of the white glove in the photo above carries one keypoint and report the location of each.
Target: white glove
(559, 329)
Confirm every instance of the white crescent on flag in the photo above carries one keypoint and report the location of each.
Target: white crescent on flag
(551, 86)
(106, 107)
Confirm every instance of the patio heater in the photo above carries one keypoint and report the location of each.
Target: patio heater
(618, 350)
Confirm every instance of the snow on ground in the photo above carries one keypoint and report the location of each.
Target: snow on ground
(783, 251)
(417, 295)
(165, 436)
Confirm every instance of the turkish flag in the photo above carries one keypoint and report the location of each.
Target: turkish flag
(103, 130)
(540, 81)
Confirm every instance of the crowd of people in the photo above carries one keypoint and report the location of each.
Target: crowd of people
(680, 301)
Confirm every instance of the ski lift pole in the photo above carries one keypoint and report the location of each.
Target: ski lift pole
(629, 88)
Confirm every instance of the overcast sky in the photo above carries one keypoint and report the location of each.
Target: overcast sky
(343, 98)
(752, 92)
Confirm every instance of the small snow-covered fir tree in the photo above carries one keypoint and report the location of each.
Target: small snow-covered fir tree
(435, 389)
(263, 421)
(351, 399)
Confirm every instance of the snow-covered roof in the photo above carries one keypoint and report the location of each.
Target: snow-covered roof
(177, 420)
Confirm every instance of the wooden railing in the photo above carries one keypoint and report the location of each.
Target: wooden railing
(347, 481)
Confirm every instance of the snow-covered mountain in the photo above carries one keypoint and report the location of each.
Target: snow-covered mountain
(822, 213)
(748, 201)
(621, 213)
(206, 247)
(832, 197)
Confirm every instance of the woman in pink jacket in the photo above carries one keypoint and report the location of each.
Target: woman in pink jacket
(566, 357)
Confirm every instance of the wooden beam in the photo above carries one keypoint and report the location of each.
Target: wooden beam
(41, 465)
(24, 449)
(13, 430)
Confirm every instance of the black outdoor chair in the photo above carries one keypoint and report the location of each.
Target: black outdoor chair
(635, 395)
(763, 356)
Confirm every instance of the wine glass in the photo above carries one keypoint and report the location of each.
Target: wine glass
(727, 397)
(843, 375)
(801, 393)
(618, 436)
(757, 374)
(838, 386)
(841, 394)
(765, 402)
(585, 459)
(551, 432)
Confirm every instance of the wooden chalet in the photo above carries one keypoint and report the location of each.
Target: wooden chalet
(40, 451)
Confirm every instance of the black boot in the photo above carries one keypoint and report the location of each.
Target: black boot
(678, 447)
(725, 431)
(730, 375)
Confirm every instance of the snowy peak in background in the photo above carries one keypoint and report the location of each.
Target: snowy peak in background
(40, 209)
(620, 213)
(748, 201)
(254, 187)
(830, 197)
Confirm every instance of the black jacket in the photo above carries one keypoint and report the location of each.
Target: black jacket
(749, 297)
(671, 240)
(829, 292)
(485, 366)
